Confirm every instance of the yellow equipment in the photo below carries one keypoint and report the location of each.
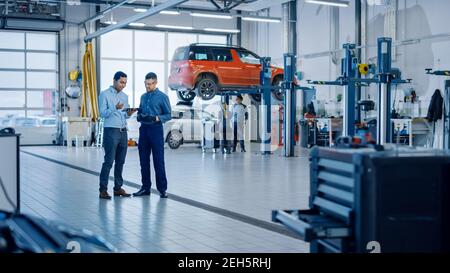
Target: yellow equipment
(89, 84)
(363, 69)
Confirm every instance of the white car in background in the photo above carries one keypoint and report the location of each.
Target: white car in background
(184, 127)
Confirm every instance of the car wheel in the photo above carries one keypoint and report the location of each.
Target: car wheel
(278, 94)
(186, 95)
(207, 88)
(175, 139)
(256, 98)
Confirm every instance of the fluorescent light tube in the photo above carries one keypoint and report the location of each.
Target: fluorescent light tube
(222, 30)
(110, 22)
(335, 3)
(209, 15)
(170, 12)
(174, 27)
(137, 24)
(140, 10)
(261, 19)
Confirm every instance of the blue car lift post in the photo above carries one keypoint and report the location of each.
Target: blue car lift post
(384, 78)
(446, 104)
(265, 89)
(290, 103)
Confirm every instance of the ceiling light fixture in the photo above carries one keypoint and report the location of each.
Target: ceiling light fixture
(261, 19)
(170, 12)
(110, 22)
(222, 30)
(137, 24)
(210, 15)
(174, 27)
(140, 10)
(335, 3)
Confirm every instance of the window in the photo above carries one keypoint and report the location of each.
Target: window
(222, 55)
(248, 57)
(180, 54)
(149, 45)
(200, 54)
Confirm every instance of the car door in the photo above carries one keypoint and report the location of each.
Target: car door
(250, 75)
(226, 66)
(184, 124)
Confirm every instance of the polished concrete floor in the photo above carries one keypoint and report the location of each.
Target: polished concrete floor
(217, 203)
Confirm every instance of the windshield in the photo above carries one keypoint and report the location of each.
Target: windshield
(248, 57)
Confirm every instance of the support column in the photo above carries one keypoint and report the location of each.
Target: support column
(290, 60)
(266, 121)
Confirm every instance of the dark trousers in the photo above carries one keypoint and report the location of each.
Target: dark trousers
(151, 140)
(115, 143)
(235, 138)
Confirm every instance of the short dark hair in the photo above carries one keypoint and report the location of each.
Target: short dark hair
(240, 97)
(118, 75)
(151, 76)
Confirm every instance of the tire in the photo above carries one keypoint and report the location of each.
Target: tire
(186, 95)
(256, 98)
(175, 139)
(207, 88)
(279, 94)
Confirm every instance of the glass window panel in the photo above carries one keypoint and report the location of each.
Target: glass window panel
(109, 68)
(41, 61)
(12, 79)
(12, 60)
(12, 40)
(46, 117)
(12, 98)
(41, 41)
(149, 45)
(141, 69)
(7, 117)
(214, 39)
(117, 44)
(179, 39)
(44, 80)
(40, 99)
(28, 121)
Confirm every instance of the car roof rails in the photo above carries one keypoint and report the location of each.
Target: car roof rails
(215, 44)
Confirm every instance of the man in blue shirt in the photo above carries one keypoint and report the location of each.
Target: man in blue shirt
(154, 110)
(112, 105)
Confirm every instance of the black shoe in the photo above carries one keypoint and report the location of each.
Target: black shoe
(141, 193)
(163, 195)
(243, 150)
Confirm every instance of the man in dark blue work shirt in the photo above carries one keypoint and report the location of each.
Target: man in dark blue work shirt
(154, 110)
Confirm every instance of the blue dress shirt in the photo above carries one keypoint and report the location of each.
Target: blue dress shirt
(108, 99)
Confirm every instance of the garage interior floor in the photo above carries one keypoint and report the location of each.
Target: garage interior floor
(217, 203)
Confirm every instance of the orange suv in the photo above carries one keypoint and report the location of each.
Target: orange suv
(205, 70)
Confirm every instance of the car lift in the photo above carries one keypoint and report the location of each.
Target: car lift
(384, 78)
(290, 103)
(446, 104)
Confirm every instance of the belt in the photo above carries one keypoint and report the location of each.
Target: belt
(120, 129)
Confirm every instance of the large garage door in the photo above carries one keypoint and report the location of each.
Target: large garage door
(28, 84)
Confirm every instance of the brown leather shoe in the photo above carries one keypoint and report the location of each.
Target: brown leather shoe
(121, 192)
(104, 195)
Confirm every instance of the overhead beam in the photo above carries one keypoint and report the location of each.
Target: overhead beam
(137, 17)
(106, 11)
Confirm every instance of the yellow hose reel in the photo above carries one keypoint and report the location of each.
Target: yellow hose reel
(363, 69)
